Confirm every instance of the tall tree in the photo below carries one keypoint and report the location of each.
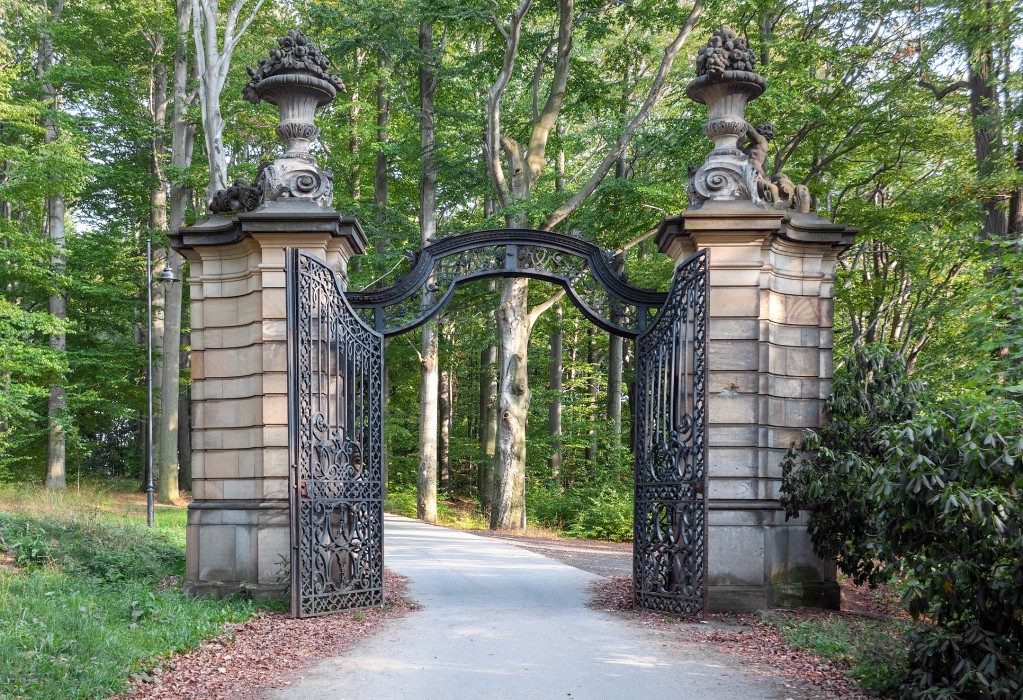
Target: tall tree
(513, 181)
(56, 446)
(213, 60)
(426, 503)
(182, 143)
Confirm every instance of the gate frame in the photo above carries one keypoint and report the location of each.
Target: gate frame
(519, 246)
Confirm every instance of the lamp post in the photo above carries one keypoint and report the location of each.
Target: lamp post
(166, 275)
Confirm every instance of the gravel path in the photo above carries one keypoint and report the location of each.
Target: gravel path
(501, 621)
(722, 657)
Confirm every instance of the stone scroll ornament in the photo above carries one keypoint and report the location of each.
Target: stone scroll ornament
(296, 78)
(725, 81)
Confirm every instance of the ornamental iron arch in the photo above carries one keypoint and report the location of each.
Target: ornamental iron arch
(579, 266)
(335, 389)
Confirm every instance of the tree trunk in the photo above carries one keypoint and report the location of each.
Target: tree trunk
(508, 511)
(184, 427)
(426, 499)
(213, 59)
(56, 467)
(444, 440)
(593, 390)
(170, 392)
(355, 107)
(182, 145)
(554, 417)
(985, 110)
(380, 174)
(488, 424)
(158, 102)
(615, 353)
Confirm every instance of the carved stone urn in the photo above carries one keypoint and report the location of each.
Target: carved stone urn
(725, 82)
(296, 79)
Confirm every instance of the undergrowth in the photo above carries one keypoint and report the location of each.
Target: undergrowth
(89, 596)
(457, 514)
(873, 650)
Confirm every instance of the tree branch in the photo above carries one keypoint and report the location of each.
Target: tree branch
(653, 96)
(538, 310)
(942, 93)
(492, 134)
(536, 154)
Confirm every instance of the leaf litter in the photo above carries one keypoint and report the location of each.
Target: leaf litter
(265, 652)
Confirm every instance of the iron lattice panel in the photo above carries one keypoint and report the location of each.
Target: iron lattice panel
(670, 555)
(336, 438)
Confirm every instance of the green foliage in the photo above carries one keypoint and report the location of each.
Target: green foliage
(928, 493)
(831, 471)
(952, 513)
(604, 515)
(89, 547)
(1000, 323)
(87, 598)
(401, 500)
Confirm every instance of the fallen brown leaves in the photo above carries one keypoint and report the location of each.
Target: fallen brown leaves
(748, 637)
(264, 653)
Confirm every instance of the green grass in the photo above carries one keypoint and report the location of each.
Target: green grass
(89, 595)
(873, 650)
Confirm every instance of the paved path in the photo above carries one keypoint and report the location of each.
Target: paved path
(502, 623)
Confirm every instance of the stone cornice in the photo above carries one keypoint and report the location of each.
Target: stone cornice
(737, 222)
(286, 217)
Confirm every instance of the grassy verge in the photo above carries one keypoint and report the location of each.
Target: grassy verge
(89, 595)
(872, 649)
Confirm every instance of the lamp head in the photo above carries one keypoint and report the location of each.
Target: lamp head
(167, 275)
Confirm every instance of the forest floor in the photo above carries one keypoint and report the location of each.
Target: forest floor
(776, 642)
(820, 653)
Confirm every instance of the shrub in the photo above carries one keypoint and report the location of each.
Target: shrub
(607, 515)
(929, 494)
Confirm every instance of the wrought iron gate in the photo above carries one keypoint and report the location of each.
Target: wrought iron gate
(335, 376)
(670, 530)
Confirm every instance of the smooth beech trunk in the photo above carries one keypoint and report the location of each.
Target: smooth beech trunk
(444, 407)
(554, 417)
(213, 60)
(615, 356)
(508, 511)
(426, 494)
(488, 425)
(170, 452)
(56, 438)
(592, 390)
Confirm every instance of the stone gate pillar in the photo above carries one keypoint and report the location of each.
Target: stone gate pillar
(770, 348)
(238, 532)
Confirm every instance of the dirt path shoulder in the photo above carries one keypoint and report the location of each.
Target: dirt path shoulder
(609, 559)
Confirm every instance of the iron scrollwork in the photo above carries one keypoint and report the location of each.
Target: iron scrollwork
(579, 266)
(336, 438)
(670, 556)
